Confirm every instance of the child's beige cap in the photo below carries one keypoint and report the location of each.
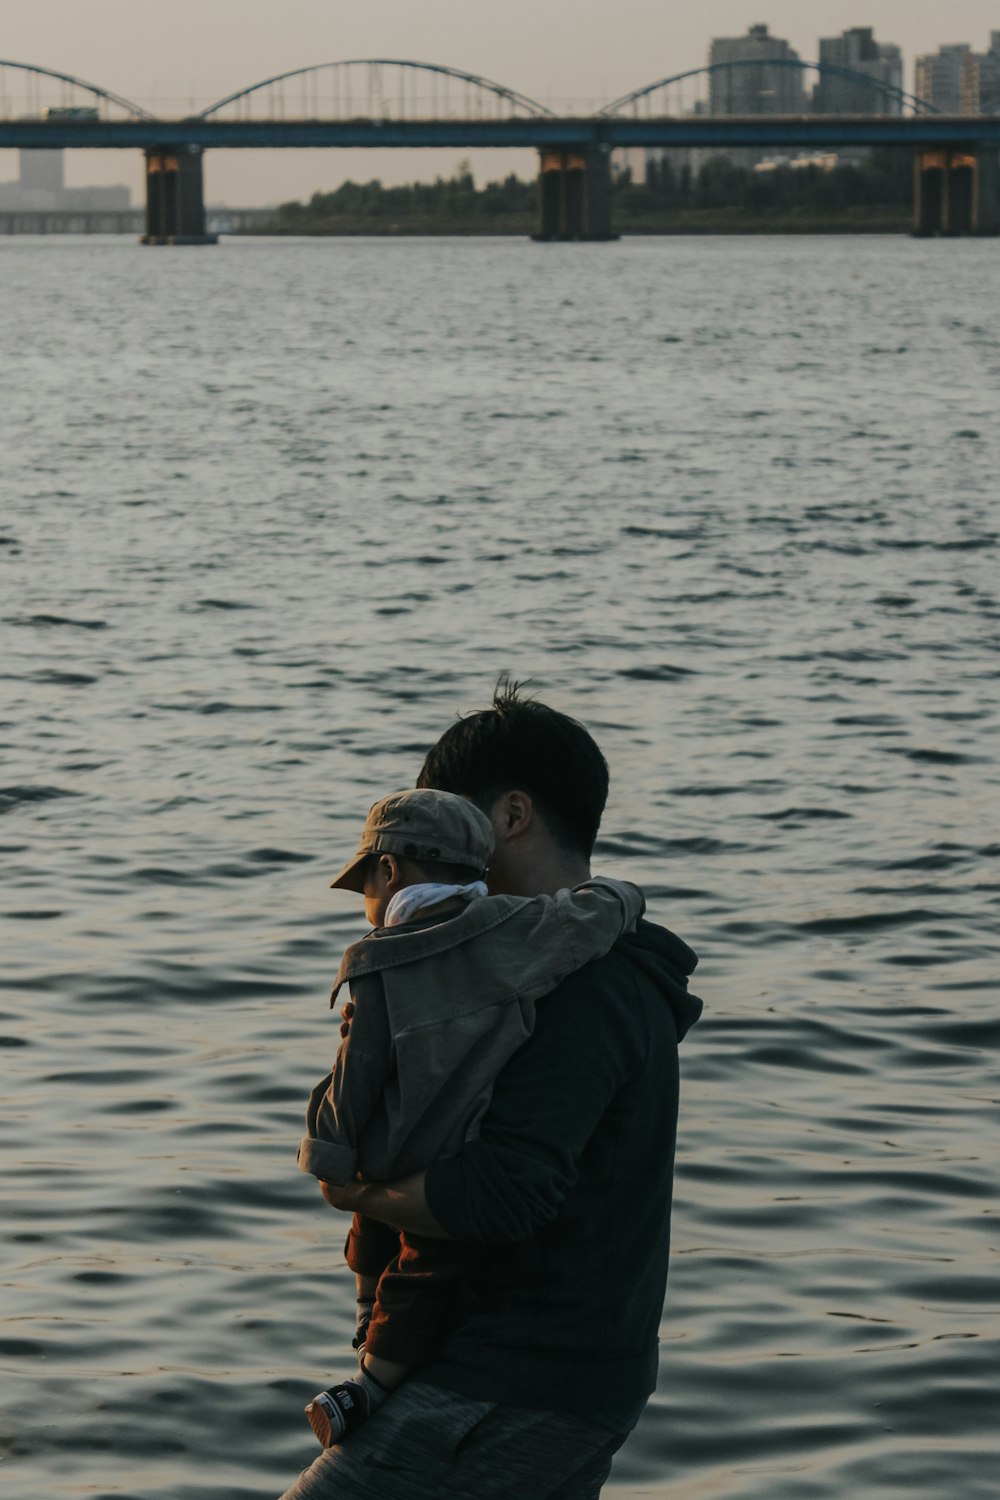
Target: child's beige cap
(422, 825)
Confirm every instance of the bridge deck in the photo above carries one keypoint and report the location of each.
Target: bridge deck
(817, 131)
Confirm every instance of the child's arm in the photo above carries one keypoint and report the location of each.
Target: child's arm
(342, 1103)
(558, 934)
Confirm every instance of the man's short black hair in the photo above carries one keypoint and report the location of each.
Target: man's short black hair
(519, 744)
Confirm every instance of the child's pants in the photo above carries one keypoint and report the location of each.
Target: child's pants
(418, 1278)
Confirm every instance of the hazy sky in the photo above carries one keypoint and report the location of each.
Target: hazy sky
(565, 52)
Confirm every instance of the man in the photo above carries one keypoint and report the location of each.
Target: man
(553, 1350)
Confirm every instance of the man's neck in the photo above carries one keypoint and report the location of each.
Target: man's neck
(547, 873)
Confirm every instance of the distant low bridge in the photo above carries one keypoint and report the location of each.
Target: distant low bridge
(120, 220)
(372, 103)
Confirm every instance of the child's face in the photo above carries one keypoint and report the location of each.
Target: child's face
(383, 878)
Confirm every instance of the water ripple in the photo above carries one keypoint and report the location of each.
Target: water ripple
(684, 499)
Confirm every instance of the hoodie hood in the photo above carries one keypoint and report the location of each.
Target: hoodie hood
(667, 960)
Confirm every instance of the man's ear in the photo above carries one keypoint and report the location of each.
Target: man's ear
(390, 873)
(513, 815)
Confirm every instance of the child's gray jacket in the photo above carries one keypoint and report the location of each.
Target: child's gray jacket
(439, 1008)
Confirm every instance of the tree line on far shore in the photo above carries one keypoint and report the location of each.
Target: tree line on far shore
(873, 192)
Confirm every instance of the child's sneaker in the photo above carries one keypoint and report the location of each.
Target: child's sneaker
(336, 1413)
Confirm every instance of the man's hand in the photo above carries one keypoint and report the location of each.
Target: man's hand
(402, 1203)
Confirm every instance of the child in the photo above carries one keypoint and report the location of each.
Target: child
(444, 991)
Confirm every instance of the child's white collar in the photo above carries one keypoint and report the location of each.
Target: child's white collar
(414, 898)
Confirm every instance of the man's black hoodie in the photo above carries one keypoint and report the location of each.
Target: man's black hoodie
(569, 1186)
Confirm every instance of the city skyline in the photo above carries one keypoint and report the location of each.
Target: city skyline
(570, 57)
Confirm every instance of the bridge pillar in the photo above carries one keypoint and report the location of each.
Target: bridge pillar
(986, 198)
(574, 194)
(175, 197)
(957, 192)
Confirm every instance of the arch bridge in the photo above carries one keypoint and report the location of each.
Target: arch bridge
(392, 102)
(956, 189)
(370, 90)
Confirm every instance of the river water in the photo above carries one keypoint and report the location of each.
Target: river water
(272, 515)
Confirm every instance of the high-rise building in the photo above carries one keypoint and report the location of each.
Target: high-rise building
(859, 54)
(765, 80)
(42, 171)
(981, 80)
(41, 186)
(940, 75)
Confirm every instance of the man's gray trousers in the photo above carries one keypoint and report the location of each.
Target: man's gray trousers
(430, 1444)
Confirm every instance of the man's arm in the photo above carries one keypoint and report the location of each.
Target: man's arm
(589, 1040)
(402, 1203)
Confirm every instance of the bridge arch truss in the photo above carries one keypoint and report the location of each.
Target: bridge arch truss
(667, 95)
(29, 91)
(375, 88)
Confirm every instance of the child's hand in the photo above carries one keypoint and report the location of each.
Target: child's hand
(342, 1195)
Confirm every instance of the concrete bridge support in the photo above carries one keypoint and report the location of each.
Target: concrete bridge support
(574, 194)
(957, 192)
(175, 197)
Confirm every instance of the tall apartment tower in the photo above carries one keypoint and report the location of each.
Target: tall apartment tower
(981, 80)
(763, 83)
(940, 75)
(857, 52)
